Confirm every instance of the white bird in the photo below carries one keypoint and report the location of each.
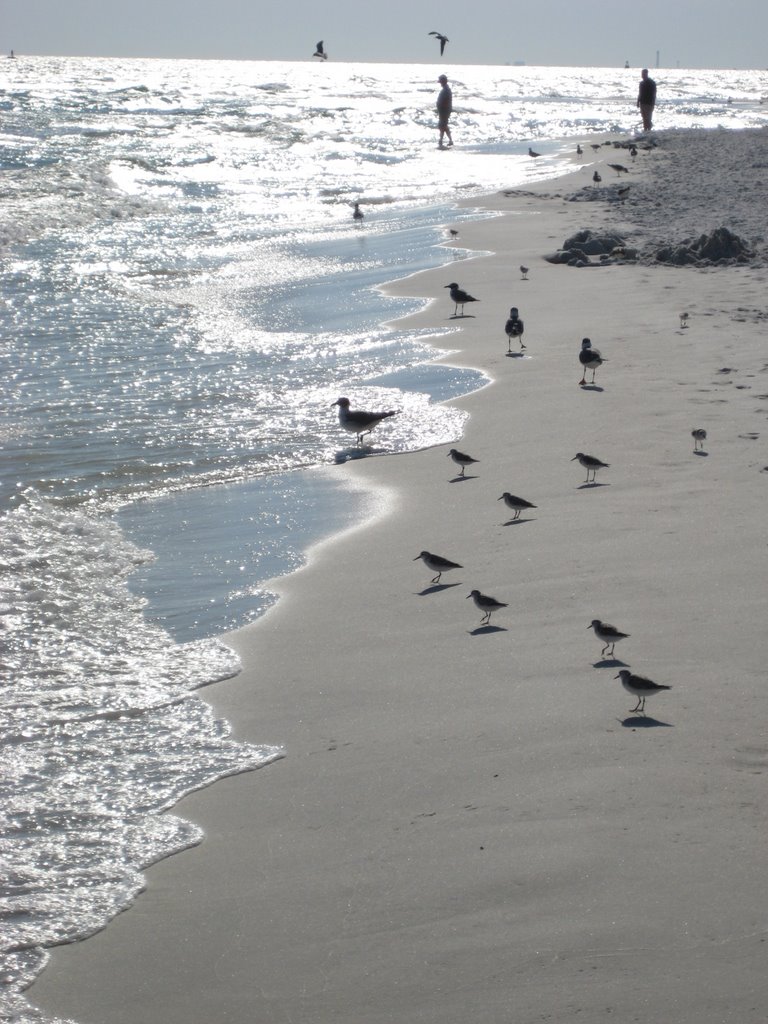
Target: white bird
(639, 687)
(609, 635)
(437, 564)
(487, 605)
(359, 422)
(590, 463)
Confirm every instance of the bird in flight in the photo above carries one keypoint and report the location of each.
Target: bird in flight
(319, 51)
(443, 40)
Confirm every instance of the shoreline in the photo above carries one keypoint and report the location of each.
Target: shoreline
(464, 822)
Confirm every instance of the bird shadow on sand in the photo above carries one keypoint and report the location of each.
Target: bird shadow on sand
(610, 663)
(435, 588)
(515, 355)
(591, 485)
(516, 522)
(701, 454)
(591, 387)
(462, 316)
(348, 454)
(460, 479)
(644, 722)
(482, 630)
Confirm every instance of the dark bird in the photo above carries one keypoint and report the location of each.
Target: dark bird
(596, 146)
(487, 605)
(532, 153)
(437, 564)
(579, 150)
(622, 193)
(684, 319)
(319, 51)
(443, 40)
(524, 272)
(699, 436)
(358, 214)
(596, 178)
(459, 297)
(609, 635)
(590, 359)
(619, 168)
(590, 463)
(358, 422)
(514, 328)
(517, 505)
(453, 232)
(461, 459)
(633, 151)
(639, 687)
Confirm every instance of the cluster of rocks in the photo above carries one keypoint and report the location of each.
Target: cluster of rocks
(720, 246)
(591, 248)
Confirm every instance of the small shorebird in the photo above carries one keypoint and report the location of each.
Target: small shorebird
(437, 564)
(514, 328)
(619, 168)
(459, 297)
(590, 463)
(461, 459)
(524, 272)
(319, 51)
(608, 634)
(358, 214)
(579, 150)
(684, 319)
(699, 436)
(359, 422)
(518, 505)
(596, 146)
(639, 687)
(453, 232)
(487, 605)
(596, 178)
(532, 153)
(590, 359)
(622, 193)
(441, 39)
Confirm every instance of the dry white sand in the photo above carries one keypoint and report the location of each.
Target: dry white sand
(469, 824)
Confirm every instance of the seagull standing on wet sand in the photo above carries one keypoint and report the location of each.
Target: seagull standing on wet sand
(699, 436)
(590, 463)
(441, 39)
(518, 505)
(319, 51)
(609, 635)
(596, 178)
(620, 169)
(459, 297)
(514, 328)
(639, 687)
(359, 422)
(461, 459)
(358, 214)
(532, 153)
(437, 564)
(487, 605)
(590, 359)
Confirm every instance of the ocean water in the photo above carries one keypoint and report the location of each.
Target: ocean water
(183, 296)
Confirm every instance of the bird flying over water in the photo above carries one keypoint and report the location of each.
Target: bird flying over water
(319, 51)
(443, 40)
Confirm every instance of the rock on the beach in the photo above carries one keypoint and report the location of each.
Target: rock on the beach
(719, 246)
(577, 249)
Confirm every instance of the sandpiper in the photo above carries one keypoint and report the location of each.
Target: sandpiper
(639, 687)
(590, 359)
(608, 634)
(622, 193)
(699, 436)
(590, 463)
(359, 422)
(487, 605)
(437, 564)
(579, 150)
(358, 214)
(459, 297)
(518, 505)
(684, 319)
(461, 459)
(524, 272)
(514, 328)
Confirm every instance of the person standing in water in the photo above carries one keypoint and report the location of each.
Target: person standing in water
(444, 110)
(646, 99)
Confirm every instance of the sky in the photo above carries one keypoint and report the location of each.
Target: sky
(602, 33)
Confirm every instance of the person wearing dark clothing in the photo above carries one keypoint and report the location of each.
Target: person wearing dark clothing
(444, 110)
(646, 99)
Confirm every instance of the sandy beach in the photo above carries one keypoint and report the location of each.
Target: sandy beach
(469, 822)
